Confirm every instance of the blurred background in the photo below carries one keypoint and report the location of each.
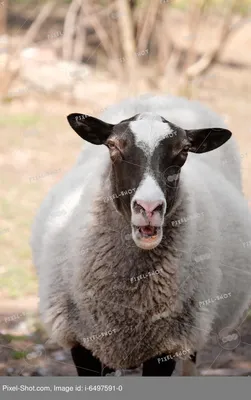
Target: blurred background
(81, 56)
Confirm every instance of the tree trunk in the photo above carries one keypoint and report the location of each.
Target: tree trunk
(125, 22)
(3, 16)
(70, 29)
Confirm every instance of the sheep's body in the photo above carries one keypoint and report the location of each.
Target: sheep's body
(89, 269)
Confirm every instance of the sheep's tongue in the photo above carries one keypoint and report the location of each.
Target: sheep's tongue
(147, 230)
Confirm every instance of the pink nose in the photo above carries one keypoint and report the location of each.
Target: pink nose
(150, 206)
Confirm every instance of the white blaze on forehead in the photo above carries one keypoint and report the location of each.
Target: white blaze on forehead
(149, 130)
(149, 190)
(149, 115)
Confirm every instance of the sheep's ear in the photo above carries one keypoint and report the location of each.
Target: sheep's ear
(203, 140)
(91, 129)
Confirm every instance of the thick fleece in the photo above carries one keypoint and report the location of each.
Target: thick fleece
(126, 304)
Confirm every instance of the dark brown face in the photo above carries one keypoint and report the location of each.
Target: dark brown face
(147, 154)
(139, 161)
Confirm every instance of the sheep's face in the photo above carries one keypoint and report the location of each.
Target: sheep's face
(147, 154)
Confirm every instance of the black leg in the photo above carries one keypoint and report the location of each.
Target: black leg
(86, 364)
(193, 357)
(157, 367)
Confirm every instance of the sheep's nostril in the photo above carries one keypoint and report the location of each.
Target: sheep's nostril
(149, 207)
(159, 208)
(137, 207)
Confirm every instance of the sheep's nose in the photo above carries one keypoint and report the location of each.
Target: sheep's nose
(149, 207)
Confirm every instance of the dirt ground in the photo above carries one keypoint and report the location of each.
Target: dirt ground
(35, 140)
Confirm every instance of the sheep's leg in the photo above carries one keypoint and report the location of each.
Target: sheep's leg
(86, 364)
(156, 367)
(189, 366)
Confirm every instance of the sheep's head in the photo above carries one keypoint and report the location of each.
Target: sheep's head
(147, 153)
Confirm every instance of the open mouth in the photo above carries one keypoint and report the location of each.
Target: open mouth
(147, 236)
(148, 231)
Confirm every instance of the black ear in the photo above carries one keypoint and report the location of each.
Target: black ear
(91, 129)
(203, 140)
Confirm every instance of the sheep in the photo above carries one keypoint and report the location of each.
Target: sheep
(145, 227)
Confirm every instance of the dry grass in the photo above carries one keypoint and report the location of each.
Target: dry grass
(31, 145)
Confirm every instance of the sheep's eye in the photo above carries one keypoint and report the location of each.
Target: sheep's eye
(181, 157)
(111, 145)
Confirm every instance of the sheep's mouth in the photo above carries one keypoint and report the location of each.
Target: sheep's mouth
(148, 231)
(147, 236)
